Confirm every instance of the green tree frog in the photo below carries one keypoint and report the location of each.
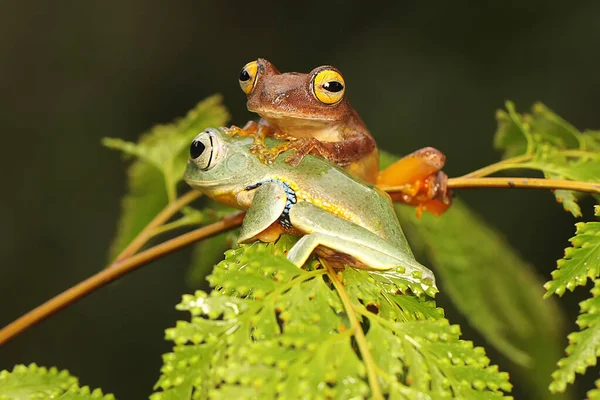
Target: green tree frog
(338, 216)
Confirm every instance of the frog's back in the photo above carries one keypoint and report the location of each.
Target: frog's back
(322, 183)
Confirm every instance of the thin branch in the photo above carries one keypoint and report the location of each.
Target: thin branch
(159, 220)
(359, 335)
(498, 166)
(521, 183)
(510, 163)
(116, 270)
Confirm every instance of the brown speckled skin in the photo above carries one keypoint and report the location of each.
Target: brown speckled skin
(288, 108)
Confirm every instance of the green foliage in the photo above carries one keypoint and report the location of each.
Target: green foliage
(584, 346)
(580, 261)
(161, 155)
(270, 329)
(544, 141)
(39, 383)
(498, 293)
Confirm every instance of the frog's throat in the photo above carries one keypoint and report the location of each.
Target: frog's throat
(291, 199)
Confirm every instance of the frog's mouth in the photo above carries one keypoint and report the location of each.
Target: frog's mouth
(293, 117)
(326, 130)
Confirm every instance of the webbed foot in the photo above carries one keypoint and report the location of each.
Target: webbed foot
(422, 182)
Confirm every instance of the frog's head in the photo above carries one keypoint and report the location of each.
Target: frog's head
(220, 164)
(295, 99)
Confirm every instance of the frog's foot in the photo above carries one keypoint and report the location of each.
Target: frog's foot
(422, 182)
(434, 196)
(249, 129)
(268, 156)
(304, 147)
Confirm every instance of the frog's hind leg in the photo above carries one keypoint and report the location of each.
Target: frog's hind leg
(373, 259)
(324, 228)
(425, 185)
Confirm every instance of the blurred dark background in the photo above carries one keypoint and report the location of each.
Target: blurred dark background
(422, 74)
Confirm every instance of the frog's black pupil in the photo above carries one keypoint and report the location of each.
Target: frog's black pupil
(333, 86)
(196, 149)
(244, 75)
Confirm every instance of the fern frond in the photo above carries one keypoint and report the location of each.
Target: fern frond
(584, 346)
(40, 383)
(556, 148)
(271, 329)
(582, 261)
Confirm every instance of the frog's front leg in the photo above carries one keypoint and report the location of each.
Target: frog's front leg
(267, 205)
(258, 130)
(354, 146)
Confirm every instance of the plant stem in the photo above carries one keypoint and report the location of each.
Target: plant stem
(359, 335)
(522, 183)
(117, 270)
(509, 163)
(499, 166)
(158, 220)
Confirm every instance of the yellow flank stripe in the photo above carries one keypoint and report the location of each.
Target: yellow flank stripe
(332, 208)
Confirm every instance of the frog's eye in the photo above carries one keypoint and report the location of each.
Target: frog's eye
(205, 150)
(328, 86)
(247, 77)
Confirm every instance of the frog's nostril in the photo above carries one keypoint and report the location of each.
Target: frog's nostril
(196, 149)
(280, 97)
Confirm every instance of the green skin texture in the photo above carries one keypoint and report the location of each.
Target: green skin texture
(374, 239)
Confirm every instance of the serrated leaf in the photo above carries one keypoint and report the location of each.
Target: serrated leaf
(584, 346)
(555, 147)
(40, 383)
(159, 165)
(512, 135)
(582, 261)
(272, 330)
(568, 199)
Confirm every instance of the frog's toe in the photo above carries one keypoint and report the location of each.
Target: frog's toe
(294, 159)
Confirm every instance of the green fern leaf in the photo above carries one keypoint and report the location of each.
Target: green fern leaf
(39, 383)
(580, 262)
(548, 139)
(498, 293)
(592, 140)
(161, 156)
(272, 330)
(584, 346)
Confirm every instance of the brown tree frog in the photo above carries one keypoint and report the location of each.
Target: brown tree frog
(312, 114)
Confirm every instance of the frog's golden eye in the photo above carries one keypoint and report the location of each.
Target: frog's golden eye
(329, 86)
(205, 150)
(247, 77)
